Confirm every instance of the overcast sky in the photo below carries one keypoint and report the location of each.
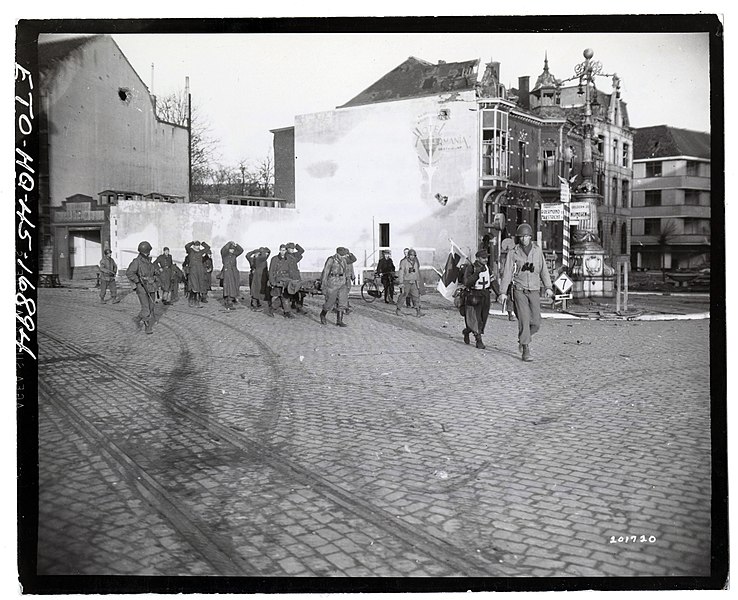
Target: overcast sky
(246, 85)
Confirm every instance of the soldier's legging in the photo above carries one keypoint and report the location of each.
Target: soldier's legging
(146, 299)
(411, 291)
(528, 309)
(108, 285)
(333, 294)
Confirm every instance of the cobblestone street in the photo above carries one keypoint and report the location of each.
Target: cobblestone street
(232, 444)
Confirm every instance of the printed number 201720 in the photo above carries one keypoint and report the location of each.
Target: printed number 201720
(632, 539)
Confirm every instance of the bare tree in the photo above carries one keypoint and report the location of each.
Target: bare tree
(203, 154)
(667, 233)
(265, 175)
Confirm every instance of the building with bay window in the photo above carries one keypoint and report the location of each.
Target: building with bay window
(436, 152)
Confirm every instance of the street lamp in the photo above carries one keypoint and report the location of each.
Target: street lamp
(593, 276)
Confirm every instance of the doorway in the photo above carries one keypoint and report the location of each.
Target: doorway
(85, 252)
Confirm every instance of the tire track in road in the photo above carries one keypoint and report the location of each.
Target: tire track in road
(458, 560)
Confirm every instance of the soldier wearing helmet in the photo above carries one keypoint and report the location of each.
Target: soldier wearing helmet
(141, 275)
(526, 270)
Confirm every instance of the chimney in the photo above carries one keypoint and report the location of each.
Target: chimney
(524, 91)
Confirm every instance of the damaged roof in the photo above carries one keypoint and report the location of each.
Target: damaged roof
(662, 141)
(415, 78)
(53, 51)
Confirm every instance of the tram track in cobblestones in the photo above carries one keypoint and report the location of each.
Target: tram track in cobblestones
(217, 551)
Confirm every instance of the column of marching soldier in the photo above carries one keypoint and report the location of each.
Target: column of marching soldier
(278, 284)
(275, 285)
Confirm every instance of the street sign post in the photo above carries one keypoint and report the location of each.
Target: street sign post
(563, 283)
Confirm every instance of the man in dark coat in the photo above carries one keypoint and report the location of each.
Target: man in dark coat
(295, 251)
(386, 272)
(259, 277)
(108, 271)
(230, 274)
(207, 260)
(197, 275)
(142, 276)
(282, 270)
(478, 281)
(163, 265)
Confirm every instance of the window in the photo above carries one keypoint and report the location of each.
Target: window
(696, 226)
(652, 226)
(549, 168)
(692, 198)
(653, 169)
(653, 198)
(625, 192)
(600, 144)
(384, 235)
(693, 168)
(615, 152)
(614, 191)
(521, 162)
(494, 144)
(624, 238)
(626, 153)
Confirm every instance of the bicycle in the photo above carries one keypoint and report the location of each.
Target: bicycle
(370, 289)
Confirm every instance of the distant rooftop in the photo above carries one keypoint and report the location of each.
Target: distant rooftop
(662, 141)
(416, 78)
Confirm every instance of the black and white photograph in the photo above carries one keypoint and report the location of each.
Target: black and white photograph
(409, 304)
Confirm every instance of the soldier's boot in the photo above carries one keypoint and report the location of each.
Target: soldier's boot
(480, 343)
(417, 312)
(339, 319)
(149, 326)
(116, 299)
(137, 321)
(526, 353)
(466, 333)
(323, 320)
(510, 317)
(407, 302)
(398, 311)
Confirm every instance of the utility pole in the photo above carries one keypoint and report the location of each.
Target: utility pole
(189, 137)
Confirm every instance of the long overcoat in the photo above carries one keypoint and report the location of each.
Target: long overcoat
(230, 274)
(163, 265)
(198, 279)
(259, 281)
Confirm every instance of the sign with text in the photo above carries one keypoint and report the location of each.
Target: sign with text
(555, 211)
(552, 212)
(579, 210)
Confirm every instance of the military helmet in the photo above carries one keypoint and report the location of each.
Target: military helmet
(524, 229)
(144, 247)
